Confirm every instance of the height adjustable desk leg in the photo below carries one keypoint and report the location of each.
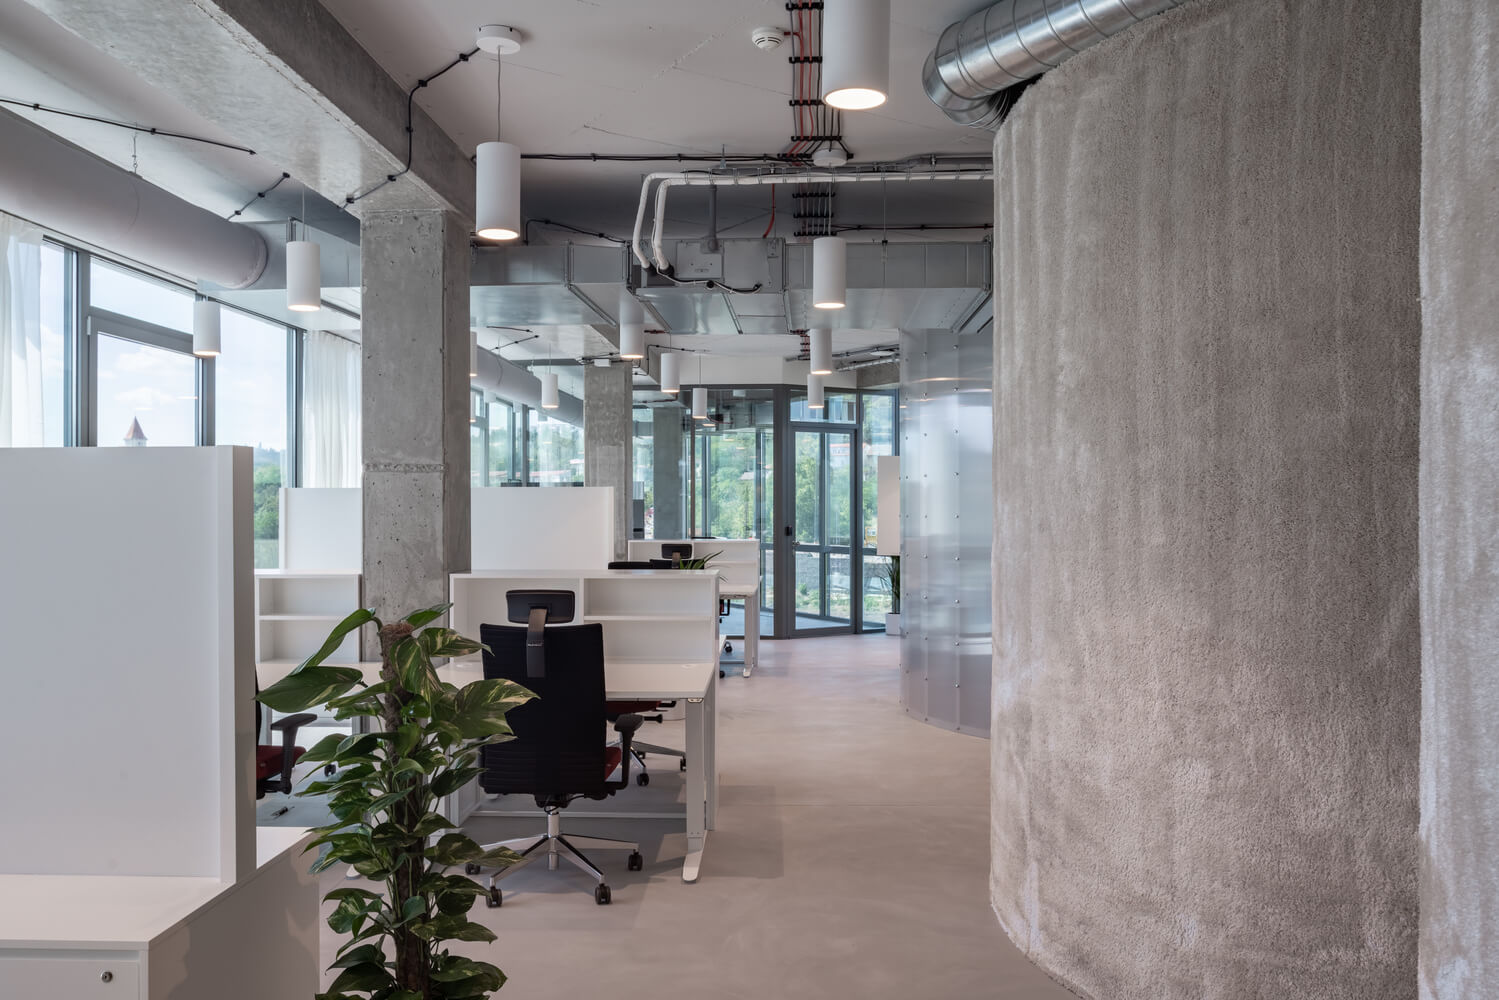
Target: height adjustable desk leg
(751, 644)
(710, 754)
(697, 787)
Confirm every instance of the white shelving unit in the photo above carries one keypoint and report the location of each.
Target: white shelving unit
(294, 612)
(649, 615)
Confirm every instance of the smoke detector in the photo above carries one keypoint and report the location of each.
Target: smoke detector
(498, 40)
(831, 155)
(767, 37)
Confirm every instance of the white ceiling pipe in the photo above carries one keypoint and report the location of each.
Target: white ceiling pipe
(60, 187)
(669, 181)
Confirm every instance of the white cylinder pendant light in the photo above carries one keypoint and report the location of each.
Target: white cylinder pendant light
(820, 339)
(304, 276)
(814, 392)
(829, 272)
(700, 403)
(855, 53)
(497, 196)
(631, 327)
(473, 354)
(206, 328)
(671, 373)
(548, 390)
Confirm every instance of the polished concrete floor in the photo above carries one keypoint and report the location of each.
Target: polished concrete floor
(850, 860)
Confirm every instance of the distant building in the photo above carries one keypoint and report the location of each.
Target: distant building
(135, 437)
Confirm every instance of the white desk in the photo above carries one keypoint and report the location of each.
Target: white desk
(121, 937)
(750, 594)
(696, 683)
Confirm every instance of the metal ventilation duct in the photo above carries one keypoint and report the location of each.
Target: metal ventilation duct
(60, 187)
(1014, 41)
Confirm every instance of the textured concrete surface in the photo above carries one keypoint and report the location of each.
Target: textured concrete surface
(666, 472)
(1206, 618)
(1459, 487)
(947, 527)
(415, 403)
(848, 859)
(285, 78)
(609, 442)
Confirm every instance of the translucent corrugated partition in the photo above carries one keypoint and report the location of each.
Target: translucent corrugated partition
(947, 527)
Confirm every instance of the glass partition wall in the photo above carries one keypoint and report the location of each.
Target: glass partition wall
(801, 481)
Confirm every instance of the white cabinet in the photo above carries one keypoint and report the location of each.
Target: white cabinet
(101, 977)
(294, 612)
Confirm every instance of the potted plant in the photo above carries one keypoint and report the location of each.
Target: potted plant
(890, 573)
(384, 797)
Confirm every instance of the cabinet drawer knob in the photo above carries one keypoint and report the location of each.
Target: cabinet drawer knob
(106, 976)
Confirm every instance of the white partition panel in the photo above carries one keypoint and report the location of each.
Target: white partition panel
(553, 527)
(887, 512)
(322, 530)
(125, 600)
(737, 561)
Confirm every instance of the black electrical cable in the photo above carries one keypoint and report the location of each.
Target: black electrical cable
(571, 229)
(148, 129)
(660, 157)
(463, 57)
(711, 283)
(258, 195)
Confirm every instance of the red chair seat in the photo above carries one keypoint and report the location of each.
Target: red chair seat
(613, 708)
(612, 757)
(268, 760)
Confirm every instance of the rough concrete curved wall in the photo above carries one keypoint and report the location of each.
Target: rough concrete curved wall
(1460, 501)
(1206, 686)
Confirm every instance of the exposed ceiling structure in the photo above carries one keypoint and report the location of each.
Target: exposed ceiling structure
(607, 77)
(659, 76)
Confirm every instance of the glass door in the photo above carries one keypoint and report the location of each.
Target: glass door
(823, 529)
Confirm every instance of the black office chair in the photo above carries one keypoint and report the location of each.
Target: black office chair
(559, 753)
(675, 552)
(635, 564)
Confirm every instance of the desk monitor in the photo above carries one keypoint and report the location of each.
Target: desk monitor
(537, 608)
(676, 550)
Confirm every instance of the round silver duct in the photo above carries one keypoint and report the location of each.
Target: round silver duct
(1005, 45)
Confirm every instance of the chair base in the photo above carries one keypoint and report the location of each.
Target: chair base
(552, 845)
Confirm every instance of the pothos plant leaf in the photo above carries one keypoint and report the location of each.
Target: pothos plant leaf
(423, 743)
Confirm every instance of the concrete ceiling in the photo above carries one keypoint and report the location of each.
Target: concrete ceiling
(660, 76)
(44, 63)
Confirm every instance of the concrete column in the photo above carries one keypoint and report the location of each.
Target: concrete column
(1206, 620)
(415, 403)
(608, 445)
(1459, 519)
(666, 471)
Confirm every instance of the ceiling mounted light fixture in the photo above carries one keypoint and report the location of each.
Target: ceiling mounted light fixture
(855, 53)
(473, 354)
(206, 328)
(829, 272)
(548, 390)
(304, 267)
(814, 392)
(631, 327)
(671, 377)
(497, 164)
(820, 344)
(700, 403)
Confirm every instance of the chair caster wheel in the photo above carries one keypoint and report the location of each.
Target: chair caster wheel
(636, 862)
(329, 770)
(601, 894)
(722, 674)
(682, 766)
(471, 869)
(728, 647)
(642, 779)
(495, 898)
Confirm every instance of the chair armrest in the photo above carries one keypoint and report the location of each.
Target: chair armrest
(626, 725)
(293, 722)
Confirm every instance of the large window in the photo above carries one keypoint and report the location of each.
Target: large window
(146, 394)
(250, 407)
(57, 334)
(556, 451)
(504, 448)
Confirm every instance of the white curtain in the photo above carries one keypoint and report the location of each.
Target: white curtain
(21, 411)
(330, 411)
